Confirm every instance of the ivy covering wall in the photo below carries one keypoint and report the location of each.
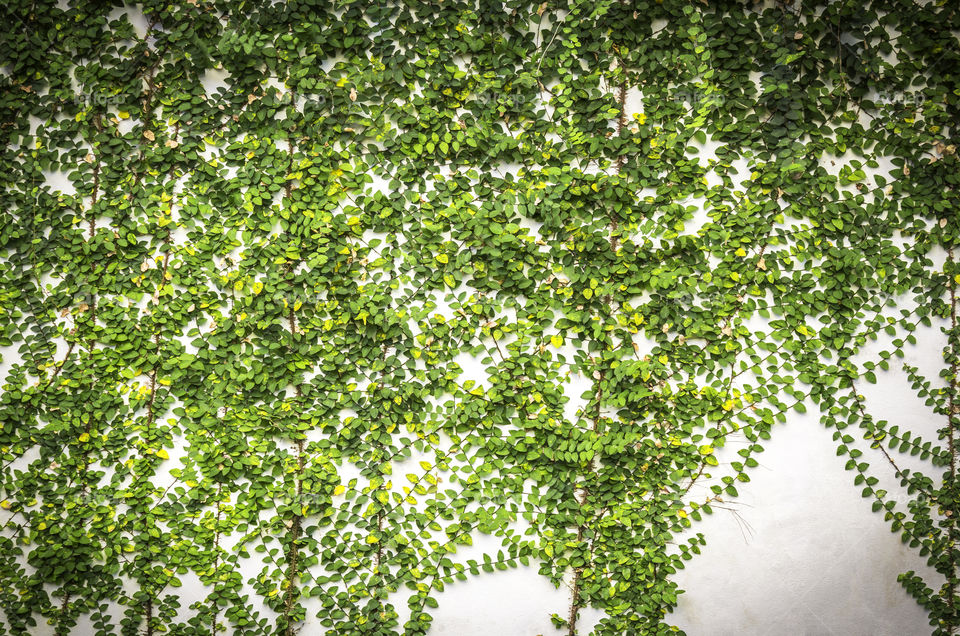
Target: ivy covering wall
(237, 323)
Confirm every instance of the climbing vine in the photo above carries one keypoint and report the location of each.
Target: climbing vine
(301, 299)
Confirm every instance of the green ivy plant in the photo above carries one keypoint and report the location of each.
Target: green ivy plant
(301, 298)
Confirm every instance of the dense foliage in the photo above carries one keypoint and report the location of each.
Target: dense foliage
(299, 299)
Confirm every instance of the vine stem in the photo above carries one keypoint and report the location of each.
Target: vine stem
(575, 598)
(92, 230)
(151, 405)
(216, 554)
(378, 556)
(951, 416)
(293, 552)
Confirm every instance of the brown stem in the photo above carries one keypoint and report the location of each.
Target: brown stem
(292, 551)
(575, 600)
(92, 225)
(621, 121)
(151, 412)
(149, 613)
(292, 556)
(590, 469)
(59, 367)
(156, 342)
(93, 228)
(216, 555)
(378, 556)
(951, 415)
(61, 628)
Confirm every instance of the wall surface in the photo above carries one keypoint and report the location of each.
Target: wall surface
(799, 552)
